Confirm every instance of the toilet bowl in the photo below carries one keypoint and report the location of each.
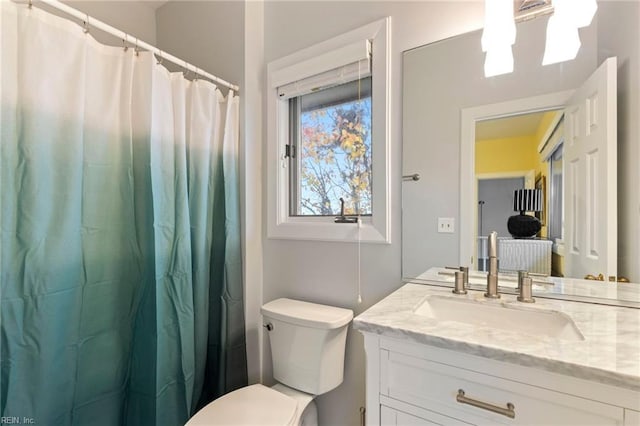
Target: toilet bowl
(307, 350)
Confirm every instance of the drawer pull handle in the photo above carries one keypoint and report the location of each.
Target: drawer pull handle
(509, 411)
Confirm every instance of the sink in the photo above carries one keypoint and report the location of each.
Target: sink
(499, 315)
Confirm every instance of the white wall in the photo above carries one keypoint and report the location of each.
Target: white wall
(326, 272)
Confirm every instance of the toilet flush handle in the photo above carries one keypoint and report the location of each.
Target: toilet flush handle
(268, 326)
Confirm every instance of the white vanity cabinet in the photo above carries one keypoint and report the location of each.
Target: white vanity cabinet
(417, 384)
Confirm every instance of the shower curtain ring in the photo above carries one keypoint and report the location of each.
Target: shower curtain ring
(124, 43)
(30, 4)
(85, 25)
(160, 58)
(185, 73)
(136, 49)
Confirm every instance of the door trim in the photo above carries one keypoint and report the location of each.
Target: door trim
(468, 189)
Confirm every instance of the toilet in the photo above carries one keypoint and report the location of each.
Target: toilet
(307, 350)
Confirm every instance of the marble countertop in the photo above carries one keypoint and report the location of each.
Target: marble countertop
(609, 353)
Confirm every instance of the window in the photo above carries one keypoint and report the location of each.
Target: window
(330, 152)
(328, 141)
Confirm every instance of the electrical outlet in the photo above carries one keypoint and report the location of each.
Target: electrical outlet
(446, 225)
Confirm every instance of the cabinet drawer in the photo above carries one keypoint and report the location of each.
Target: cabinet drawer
(434, 386)
(393, 417)
(402, 414)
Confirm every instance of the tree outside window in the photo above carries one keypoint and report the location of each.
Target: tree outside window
(334, 158)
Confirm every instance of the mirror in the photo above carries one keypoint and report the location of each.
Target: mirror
(442, 80)
(509, 157)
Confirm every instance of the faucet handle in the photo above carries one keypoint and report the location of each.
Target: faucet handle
(465, 272)
(525, 284)
(521, 276)
(459, 284)
(465, 275)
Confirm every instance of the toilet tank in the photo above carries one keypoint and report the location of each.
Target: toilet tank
(307, 343)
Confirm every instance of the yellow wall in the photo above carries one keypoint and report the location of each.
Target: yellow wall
(506, 155)
(557, 265)
(545, 122)
(516, 154)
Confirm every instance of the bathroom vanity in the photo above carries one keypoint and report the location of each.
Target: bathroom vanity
(438, 358)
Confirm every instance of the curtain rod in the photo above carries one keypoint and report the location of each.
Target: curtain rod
(92, 22)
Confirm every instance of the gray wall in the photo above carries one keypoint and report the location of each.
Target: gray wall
(619, 35)
(326, 272)
(137, 18)
(209, 34)
(497, 195)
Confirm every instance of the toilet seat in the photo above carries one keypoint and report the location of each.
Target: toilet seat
(248, 406)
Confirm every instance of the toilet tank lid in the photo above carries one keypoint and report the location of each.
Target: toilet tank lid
(307, 314)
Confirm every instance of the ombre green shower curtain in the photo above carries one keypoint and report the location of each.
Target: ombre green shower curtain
(120, 264)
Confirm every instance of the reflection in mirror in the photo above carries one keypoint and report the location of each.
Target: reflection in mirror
(509, 157)
(444, 79)
(589, 216)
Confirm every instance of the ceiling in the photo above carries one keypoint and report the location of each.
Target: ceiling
(509, 127)
(155, 4)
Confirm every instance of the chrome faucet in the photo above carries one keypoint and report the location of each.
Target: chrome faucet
(492, 275)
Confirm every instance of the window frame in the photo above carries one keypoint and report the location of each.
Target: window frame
(280, 224)
(297, 148)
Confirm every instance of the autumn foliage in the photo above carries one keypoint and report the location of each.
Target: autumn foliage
(335, 159)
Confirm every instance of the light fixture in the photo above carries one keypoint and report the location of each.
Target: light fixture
(499, 24)
(498, 61)
(582, 11)
(563, 40)
(498, 36)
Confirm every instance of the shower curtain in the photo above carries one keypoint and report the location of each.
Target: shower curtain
(121, 296)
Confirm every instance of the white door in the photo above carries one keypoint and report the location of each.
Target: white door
(590, 170)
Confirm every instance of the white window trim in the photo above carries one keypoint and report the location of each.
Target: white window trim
(375, 228)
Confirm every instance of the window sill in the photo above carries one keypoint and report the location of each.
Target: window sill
(324, 229)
